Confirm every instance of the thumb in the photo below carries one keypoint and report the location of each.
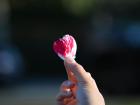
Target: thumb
(78, 71)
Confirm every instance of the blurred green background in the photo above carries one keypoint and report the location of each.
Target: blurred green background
(108, 37)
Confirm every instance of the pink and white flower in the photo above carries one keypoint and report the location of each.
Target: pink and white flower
(65, 47)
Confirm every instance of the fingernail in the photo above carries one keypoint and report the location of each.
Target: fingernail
(70, 60)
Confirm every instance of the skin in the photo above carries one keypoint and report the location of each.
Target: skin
(80, 88)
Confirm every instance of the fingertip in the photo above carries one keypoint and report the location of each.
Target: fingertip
(69, 60)
(76, 69)
(70, 64)
(68, 84)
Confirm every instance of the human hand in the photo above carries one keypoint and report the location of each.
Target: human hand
(80, 89)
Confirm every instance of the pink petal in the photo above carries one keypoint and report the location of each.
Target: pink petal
(65, 47)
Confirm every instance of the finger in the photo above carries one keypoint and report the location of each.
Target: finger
(63, 95)
(63, 98)
(67, 85)
(60, 103)
(89, 76)
(70, 74)
(76, 69)
(92, 81)
(67, 101)
(74, 102)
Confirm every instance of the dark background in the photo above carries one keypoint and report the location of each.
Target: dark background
(107, 35)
